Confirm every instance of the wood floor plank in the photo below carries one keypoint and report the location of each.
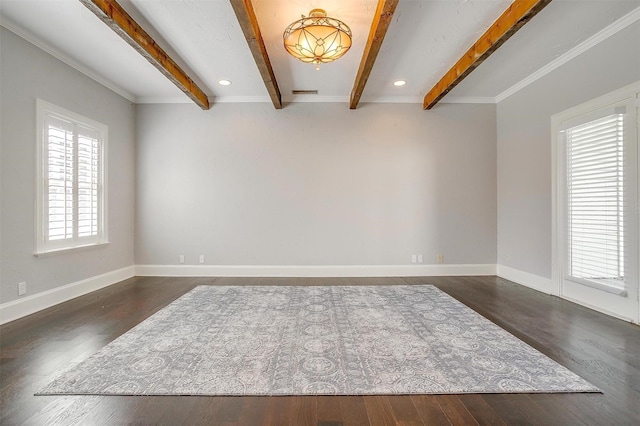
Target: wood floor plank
(278, 411)
(253, 410)
(481, 411)
(429, 410)
(304, 410)
(379, 410)
(404, 411)
(507, 412)
(66, 410)
(601, 349)
(204, 411)
(230, 409)
(455, 410)
(354, 411)
(559, 412)
(117, 411)
(329, 410)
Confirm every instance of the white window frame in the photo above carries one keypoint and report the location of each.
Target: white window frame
(608, 299)
(45, 246)
(619, 110)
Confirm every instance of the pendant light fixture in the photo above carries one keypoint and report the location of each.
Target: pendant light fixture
(317, 38)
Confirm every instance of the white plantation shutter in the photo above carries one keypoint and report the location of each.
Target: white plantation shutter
(60, 176)
(595, 201)
(71, 192)
(88, 182)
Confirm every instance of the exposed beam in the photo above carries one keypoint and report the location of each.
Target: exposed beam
(379, 26)
(112, 14)
(249, 24)
(516, 15)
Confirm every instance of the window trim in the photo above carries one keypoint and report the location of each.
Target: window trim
(619, 108)
(42, 246)
(626, 96)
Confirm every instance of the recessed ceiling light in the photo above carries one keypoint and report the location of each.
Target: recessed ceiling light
(224, 82)
(399, 83)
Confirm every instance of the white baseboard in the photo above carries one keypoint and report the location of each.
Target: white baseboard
(22, 307)
(19, 308)
(312, 271)
(526, 279)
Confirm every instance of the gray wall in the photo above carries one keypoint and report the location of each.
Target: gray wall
(524, 145)
(315, 184)
(27, 73)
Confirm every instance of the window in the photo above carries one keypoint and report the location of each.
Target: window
(595, 251)
(71, 180)
(595, 200)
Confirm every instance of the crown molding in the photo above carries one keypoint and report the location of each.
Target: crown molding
(22, 33)
(242, 99)
(391, 99)
(164, 100)
(468, 100)
(315, 99)
(614, 28)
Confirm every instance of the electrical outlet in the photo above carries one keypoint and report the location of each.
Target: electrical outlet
(414, 258)
(22, 288)
(440, 258)
(202, 258)
(420, 258)
(181, 258)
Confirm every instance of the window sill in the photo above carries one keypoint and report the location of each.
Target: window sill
(70, 249)
(599, 286)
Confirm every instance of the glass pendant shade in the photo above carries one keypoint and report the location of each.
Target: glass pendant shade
(317, 38)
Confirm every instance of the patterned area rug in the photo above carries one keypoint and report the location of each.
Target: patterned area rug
(280, 340)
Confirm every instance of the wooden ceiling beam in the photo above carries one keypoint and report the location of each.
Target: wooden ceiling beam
(519, 13)
(249, 24)
(381, 21)
(112, 14)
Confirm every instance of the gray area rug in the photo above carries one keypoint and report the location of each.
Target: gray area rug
(279, 340)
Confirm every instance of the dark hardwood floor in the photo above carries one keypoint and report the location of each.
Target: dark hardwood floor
(603, 350)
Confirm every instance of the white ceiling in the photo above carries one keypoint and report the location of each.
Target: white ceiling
(424, 39)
